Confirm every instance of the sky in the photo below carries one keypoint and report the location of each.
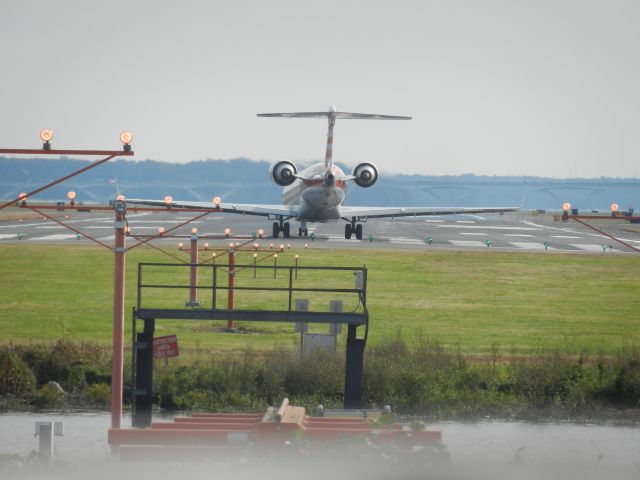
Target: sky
(496, 87)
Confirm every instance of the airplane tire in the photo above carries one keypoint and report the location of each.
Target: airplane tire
(347, 231)
(359, 231)
(287, 229)
(276, 229)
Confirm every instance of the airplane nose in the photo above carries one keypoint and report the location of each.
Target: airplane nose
(329, 180)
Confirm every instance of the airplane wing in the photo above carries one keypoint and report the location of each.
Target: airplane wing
(224, 207)
(390, 212)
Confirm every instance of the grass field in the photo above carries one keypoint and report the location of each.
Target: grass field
(471, 300)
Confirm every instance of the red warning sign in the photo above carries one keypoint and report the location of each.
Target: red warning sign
(165, 347)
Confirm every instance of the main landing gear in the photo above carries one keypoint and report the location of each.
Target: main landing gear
(281, 226)
(303, 231)
(351, 229)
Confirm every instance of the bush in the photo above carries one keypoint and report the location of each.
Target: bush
(99, 394)
(15, 376)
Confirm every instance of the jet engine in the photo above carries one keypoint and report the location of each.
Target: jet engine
(283, 172)
(365, 175)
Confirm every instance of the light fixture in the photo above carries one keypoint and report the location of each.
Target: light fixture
(227, 232)
(194, 230)
(255, 255)
(566, 207)
(216, 201)
(296, 256)
(260, 232)
(231, 245)
(161, 230)
(180, 245)
(126, 138)
(22, 199)
(282, 247)
(206, 246)
(614, 207)
(72, 198)
(256, 245)
(46, 135)
(168, 199)
(120, 198)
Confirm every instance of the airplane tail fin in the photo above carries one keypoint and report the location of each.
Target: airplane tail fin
(332, 115)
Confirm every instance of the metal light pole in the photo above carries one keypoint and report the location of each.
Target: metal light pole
(119, 250)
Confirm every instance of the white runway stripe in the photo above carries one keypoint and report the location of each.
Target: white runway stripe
(59, 236)
(564, 236)
(473, 233)
(530, 245)
(519, 235)
(587, 247)
(468, 243)
(7, 235)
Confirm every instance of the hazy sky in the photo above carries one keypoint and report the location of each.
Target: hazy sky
(549, 88)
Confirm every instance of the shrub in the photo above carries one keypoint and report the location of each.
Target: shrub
(15, 376)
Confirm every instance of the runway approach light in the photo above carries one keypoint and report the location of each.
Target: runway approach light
(168, 199)
(260, 232)
(194, 230)
(206, 246)
(161, 230)
(72, 198)
(231, 245)
(180, 245)
(566, 207)
(256, 246)
(22, 199)
(120, 198)
(126, 138)
(46, 135)
(217, 201)
(282, 247)
(227, 232)
(614, 207)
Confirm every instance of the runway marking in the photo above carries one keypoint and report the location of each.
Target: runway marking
(530, 245)
(587, 247)
(7, 235)
(563, 236)
(434, 221)
(408, 241)
(489, 227)
(473, 233)
(468, 243)
(519, 235)
(51, 227)
(465, 221)
(58, 236)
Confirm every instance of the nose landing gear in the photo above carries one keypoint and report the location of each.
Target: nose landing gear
(353, 228)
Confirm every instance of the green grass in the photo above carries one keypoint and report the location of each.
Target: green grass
(468, 299)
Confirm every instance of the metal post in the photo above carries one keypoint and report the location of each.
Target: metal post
(118, 314)
(230, 323)
(143, 386)
(45, 440)
(193, 273)
(353, 370)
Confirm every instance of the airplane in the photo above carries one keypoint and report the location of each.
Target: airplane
(317, 193)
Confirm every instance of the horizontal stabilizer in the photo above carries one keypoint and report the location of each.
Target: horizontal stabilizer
(345, 115)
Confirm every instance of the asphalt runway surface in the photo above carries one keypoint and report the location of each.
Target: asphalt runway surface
(518, 231)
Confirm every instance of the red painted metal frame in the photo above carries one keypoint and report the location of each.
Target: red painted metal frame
(578, 219)
(110, 154)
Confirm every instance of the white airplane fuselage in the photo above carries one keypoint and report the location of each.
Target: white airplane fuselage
(318, 194)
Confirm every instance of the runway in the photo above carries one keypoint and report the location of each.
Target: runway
(519, 232)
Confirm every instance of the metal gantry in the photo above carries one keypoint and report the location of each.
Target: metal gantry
(148, 311)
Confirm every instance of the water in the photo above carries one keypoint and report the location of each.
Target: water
(474, 447)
